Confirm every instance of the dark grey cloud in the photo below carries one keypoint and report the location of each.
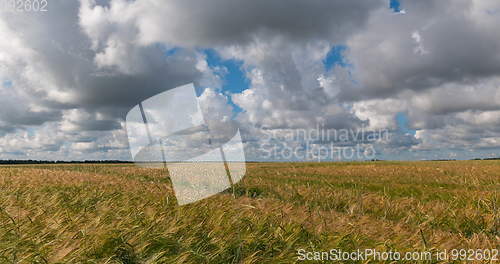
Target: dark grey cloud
(221, 22)
(434, 43)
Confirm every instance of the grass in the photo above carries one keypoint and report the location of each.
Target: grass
(124, 214)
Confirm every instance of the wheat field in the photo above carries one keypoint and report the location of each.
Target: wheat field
(84, 213)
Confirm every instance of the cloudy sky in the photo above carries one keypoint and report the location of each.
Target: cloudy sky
(426, 71)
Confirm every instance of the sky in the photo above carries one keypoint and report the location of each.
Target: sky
(425, 73)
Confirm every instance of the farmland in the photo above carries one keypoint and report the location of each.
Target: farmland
(108, 213)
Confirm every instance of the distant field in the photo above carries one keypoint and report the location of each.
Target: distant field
(124, 214)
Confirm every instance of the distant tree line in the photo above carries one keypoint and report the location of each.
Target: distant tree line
(6, 162)
(61, 161)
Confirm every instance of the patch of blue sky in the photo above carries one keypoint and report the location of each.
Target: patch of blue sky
(233, 76)
(395, 5)
(171, 51)
(168, 50)
(335, 57)
(234, 79)
(403, 124)
(7, 83)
